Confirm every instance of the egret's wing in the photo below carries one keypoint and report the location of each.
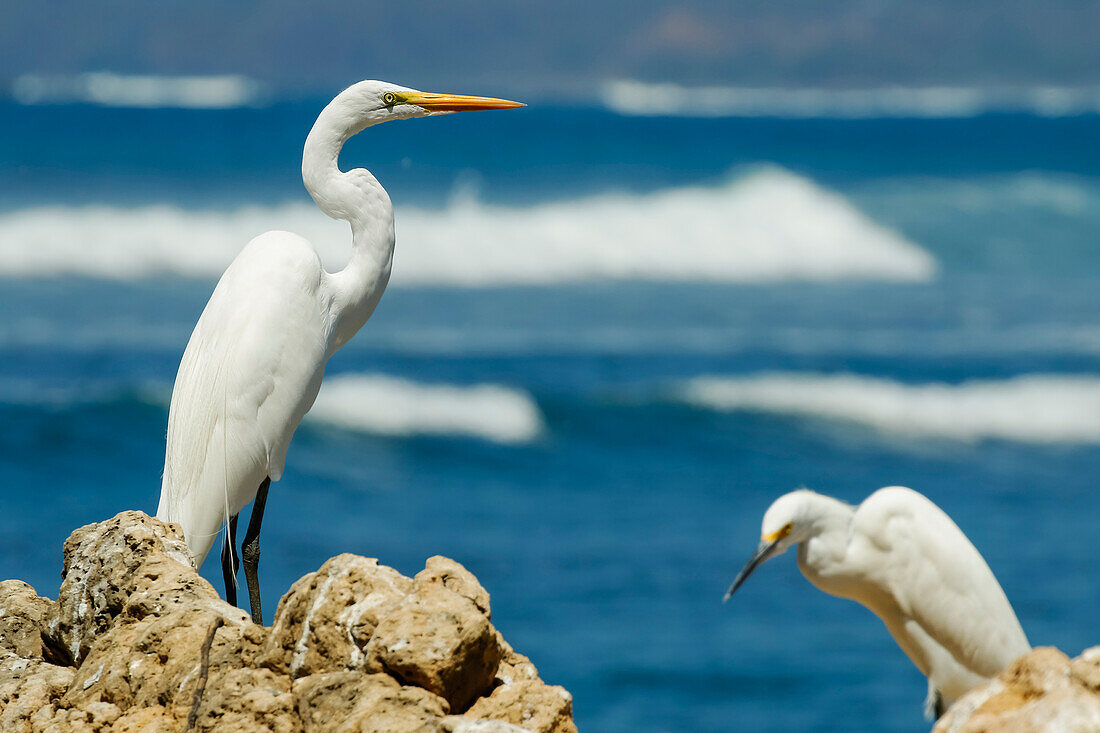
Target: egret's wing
(251, 370)
(938, 579)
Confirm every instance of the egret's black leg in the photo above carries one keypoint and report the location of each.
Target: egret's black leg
(939, 709)
(250, 551)
(230, 562)
(934, 707)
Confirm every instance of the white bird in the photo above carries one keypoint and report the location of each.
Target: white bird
(255, 360)
(902, 557)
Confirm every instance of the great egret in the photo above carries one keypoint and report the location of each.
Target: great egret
(255, 360)
(902, 557)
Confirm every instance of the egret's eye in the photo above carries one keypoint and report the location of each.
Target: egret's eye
(389, 99)
(779, 533)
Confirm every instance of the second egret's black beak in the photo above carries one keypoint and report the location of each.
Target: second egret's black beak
(763, 552)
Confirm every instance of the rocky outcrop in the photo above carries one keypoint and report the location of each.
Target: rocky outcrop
(1044, 691)
(138, 641)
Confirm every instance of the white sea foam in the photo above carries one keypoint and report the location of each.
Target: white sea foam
(369, 403)
(1028, 191)
(640, 98)
(119, 90)
(768, 225)
(391, 406)
(1036, 408)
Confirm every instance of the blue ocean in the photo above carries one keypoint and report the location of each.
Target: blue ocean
(610, 341)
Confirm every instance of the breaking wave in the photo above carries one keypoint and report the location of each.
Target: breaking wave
(369, 403)
(1041, 408)
(768, 225)
(644, 99)
(107, 89)
(391, 406)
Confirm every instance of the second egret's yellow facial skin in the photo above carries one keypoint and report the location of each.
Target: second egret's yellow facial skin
(778, 534)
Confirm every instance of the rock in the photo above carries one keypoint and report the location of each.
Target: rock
(163, 584)
(445, 572)
(25, 620)
(30, 694)
(146, 720)
(100, 564)
(324, 622)
(155, 661)
(461, 724)
(138, 642)
(513, 666)
(1086, 669)
(1041, 691)
(366, 703)
(439, 640)
(249, 700)
(532, 704)
(522, 699)
(238, 645)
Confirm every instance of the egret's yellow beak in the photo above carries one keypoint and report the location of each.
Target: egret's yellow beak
(455, 102)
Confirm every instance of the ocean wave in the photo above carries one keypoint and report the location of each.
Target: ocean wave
(644, 99)
(392, 406)
(369, 403)
(1042, 408)
(767, 225)
(107, 89)
(1030, 191)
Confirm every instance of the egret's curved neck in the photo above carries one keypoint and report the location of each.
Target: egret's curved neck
(824, 550)
(357, 197)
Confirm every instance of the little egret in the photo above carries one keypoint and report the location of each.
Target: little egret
(902, 557)
(255, 360)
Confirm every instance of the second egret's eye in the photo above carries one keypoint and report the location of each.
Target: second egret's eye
(389, 99)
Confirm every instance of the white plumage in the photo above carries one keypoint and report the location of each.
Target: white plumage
(902, 557)
(251, 371)
(254, 363)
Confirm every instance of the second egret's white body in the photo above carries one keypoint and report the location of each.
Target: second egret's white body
(902, 557)
(254, 364)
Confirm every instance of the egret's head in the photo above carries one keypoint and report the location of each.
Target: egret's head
(788, 521)
(372, 102)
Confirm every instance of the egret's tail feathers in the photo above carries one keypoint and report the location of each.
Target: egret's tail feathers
(162, 508)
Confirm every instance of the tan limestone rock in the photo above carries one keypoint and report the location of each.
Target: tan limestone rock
(100, 563)
(439, 640)
(248, 700)
(514, 667)
(1042, 691)
(521, 698)
(138, 642)
(146, 720)
(462, 724)
(324, 622)
(1086, 669)
(454, 577)
(531, 704)
(162, 584)
(354, 702)
(25, 619)
(154, 661)
(238, 645)
(30, 694)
